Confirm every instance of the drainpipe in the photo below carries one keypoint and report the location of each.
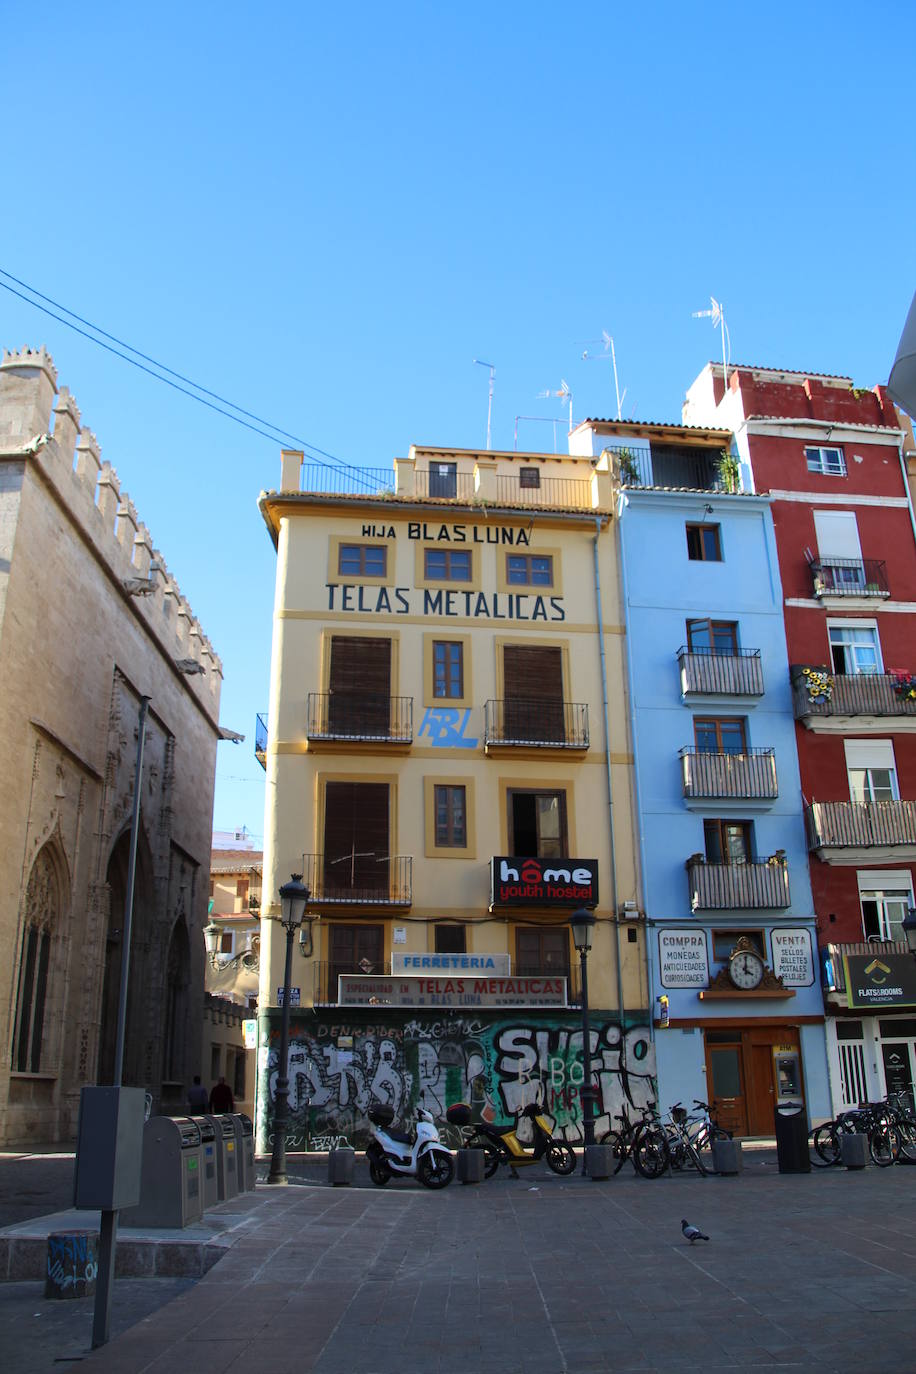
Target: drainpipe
(610, 794)
(650, 970)
(906, 483)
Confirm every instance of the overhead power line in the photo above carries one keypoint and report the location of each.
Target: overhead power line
(277, 434)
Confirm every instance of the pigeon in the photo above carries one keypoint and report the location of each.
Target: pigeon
(692, 1233)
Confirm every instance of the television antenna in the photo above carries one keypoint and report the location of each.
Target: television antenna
(481, 363)
(716, 313)
(564, 394)
(607, 350)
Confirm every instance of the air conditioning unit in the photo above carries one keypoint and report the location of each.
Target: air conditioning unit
(629, 911)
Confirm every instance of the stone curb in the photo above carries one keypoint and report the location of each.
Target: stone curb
(26, 1258)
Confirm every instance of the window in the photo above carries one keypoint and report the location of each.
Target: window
(356, 839)
(839, 550)
(871, 770)
(529, 570)
(885, 896)
(704, 544)
(450, 938)
(533, 690)
(727, 842)
(241, 890)
(42, 912)
(542, 950)
(719, 736)
(238, 1076)
(225, 942)
(215, 1062)
(529, 477)
(712, 637)
(443, 480)
(451, 817)
(723, 942)
(362, 560)
(359, 688)
(830, 461)
(854, 649)
(447, 565)
(353, 949)
(448, 668)
(537, 824)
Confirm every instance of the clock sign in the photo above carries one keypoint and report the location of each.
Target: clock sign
(745, 969)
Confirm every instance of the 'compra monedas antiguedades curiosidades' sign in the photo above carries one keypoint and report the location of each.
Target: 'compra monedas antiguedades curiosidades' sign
(543, 882)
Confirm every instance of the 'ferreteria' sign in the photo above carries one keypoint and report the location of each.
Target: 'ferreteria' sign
(390, 990)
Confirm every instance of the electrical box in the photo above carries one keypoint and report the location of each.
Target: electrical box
(170, 1191)
(109, 1147)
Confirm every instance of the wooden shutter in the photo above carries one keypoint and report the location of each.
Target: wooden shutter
(356, 838)
(350, 948)
(533, 687)
(359, 684)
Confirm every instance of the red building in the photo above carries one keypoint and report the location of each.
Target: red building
(834, 457)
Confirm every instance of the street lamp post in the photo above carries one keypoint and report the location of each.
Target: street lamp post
(583, 924)
(294, 898)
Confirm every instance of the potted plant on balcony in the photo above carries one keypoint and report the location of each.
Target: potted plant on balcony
(904, 684)
(818, 685)
(627, 467)
(727, 471)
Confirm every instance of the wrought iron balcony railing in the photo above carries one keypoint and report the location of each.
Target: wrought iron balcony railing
(729, 887)
(572, 974)
(366, 716)
(853, 694)
(455, 486)
(705, 672)
(742, 777)
(359, 879)
(566, 493)
(331, 481)
(861, 825)
(260, 740)
(531, 721)
(326, 990)
(850, 577)
(832, 968)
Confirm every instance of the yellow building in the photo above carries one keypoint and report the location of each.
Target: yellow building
(447, 661)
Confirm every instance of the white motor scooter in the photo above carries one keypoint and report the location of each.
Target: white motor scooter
(420, 1155)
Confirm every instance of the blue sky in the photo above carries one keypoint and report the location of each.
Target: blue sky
(325, 214)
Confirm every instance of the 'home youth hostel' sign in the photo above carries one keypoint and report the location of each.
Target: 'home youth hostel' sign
(543, 882)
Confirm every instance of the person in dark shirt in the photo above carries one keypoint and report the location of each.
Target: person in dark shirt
(221, 1099)
(197, 1095)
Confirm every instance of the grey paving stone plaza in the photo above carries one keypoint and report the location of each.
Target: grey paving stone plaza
(541, 1275)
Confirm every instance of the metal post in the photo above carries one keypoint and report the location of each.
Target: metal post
(587, 1094)
(108, 1231)
(281, 1097)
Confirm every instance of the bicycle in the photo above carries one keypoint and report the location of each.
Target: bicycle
(642, 1142)
(682, 1149)
(875, 1120)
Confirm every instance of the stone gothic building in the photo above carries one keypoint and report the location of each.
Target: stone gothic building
(91, 622)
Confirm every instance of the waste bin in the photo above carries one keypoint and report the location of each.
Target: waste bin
(791, 1124)
(170, 1191)
(227, 1177)
(244, 1149)
(208, 1181)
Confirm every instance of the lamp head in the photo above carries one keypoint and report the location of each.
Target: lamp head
(294, 898)
(211, 938)
(909, 930)
(583, 923)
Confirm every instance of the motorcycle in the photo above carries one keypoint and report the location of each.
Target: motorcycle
(419, 1155)
(501, 1145)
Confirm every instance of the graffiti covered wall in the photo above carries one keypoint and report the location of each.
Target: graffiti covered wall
(341, 1063)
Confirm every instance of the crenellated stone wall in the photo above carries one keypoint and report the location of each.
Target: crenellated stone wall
(92, 621)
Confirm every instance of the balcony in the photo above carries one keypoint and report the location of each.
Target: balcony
(861, 579)
(863, 701)
(706, 673)
(535, 723)
(563, 493)
(359, 717)
(428, 484)
(747, 777)
(354, 879)
(332, 481)
(731, 887)
(260, 740)
(850, 832)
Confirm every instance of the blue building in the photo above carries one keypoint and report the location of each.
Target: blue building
(732, 939)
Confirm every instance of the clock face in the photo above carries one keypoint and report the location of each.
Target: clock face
(745, 970)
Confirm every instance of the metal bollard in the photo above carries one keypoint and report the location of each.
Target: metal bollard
(854, 1150)
(470, 1166)
(340, 1166)
(73, 1263)
(598, 1161)
(727, 1157)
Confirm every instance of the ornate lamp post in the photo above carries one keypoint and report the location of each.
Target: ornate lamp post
(583, 924)
(294, 898)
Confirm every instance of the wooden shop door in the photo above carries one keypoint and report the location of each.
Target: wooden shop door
(725, 1078)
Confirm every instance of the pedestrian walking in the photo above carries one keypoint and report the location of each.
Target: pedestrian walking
(221, 1099)
(197, 1095)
